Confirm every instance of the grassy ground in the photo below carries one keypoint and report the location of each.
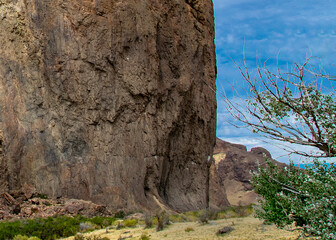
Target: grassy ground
(244, 228)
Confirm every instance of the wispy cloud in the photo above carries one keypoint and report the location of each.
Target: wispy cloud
(281, 31)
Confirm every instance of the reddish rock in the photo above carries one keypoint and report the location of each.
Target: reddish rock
(232, 167)
(28, 190)
(109, 101)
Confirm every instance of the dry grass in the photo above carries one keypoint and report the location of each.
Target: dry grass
(247, 228)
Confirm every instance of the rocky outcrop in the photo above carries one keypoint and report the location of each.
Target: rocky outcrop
(109, 101)
(18, 205)
(232, 166)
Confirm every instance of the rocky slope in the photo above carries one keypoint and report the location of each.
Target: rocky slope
(230, 175)
(109, 101)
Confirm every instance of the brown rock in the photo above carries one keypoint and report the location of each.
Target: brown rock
(28, 190)
(232, 167)
(217, 192)
(109, 101)
(225, 229)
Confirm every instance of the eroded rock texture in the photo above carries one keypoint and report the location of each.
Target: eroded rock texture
(109, 100)
(230, 175)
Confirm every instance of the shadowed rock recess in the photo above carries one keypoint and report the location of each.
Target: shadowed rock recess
(109, 100)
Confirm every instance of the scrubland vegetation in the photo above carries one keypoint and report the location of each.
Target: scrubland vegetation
(189, 225)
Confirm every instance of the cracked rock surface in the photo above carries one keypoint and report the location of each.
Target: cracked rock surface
(109, 101)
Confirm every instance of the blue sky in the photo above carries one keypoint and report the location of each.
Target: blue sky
(281, 31)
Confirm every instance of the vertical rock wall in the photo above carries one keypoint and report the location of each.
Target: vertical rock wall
(109, 100)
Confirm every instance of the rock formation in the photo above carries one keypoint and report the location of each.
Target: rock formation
(231, 177)
(109, 101)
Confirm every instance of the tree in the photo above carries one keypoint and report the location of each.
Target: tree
(293, 107)
(306, 199)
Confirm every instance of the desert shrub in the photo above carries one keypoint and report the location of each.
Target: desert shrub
(120, 214)
(87, 226)
(144, 236)
(20, 237)
(148, 221)
(130, 222)
(176, 218)
(212, 214)
(102, 221)
(204, 217)
(162, 220)
(192, 216)
(47, 228)
(189, 229)
(120, 225)
(293, 196)
(34, 238)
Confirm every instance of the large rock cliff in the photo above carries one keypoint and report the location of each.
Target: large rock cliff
(109, 100)
(230, 174)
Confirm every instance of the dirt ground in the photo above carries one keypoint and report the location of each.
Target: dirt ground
(247, 228)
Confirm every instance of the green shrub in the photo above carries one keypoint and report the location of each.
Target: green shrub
(102, 221)
(87, 226)
(20, 237)
(293, 196)
(130, 222)
(48, 228)
(144, 236)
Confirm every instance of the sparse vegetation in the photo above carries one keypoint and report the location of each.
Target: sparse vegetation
(130, 222)
(162, 220)
(49, 228)
(148, 221)
(189, 229)
(144, 236)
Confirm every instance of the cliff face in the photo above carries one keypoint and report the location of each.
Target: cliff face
(232, 167)
(109, 101)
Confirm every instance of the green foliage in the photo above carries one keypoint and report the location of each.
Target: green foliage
(298, 107)
(305, 198)
(130, 222)
(144, 236)
(47, 229)
(20, 237)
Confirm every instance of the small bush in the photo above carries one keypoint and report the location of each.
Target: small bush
(148, 221)
(130, 222)
(34, 238)
(87, 226)
(102, 221)
(20, 237)
(212, 214)
(120, 214)
(162, 220)
(189, 229)
(120, 225)
(204, 217)
(46, 229)
(144, 236)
